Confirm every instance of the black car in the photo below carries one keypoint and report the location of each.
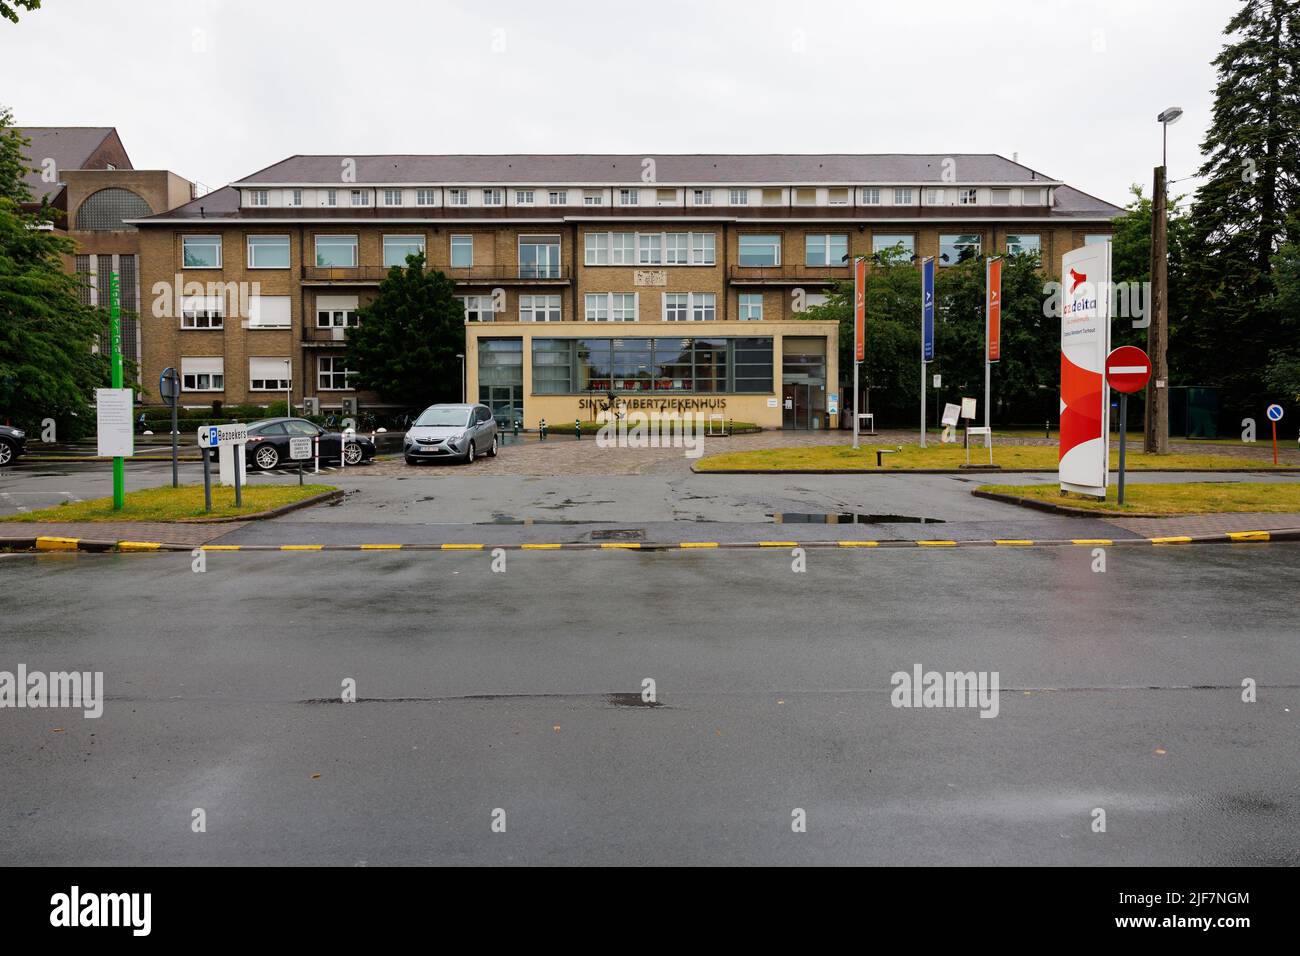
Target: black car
(268, 443)
(13, 442)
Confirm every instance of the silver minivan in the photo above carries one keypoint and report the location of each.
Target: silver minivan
(460, 432)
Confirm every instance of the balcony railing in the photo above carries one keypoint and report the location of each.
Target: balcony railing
(789, 273)
(473, 275)
(330, 335)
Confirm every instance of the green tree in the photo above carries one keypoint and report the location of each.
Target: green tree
(1282, 376)
(1240, 217)
(48, 368)
(406, 340)
(9, 8)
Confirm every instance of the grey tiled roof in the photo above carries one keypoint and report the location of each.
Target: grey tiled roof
(68, 146)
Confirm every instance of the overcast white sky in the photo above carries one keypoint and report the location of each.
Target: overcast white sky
(215, 89)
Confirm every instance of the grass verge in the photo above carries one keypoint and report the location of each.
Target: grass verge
(1009, 457)
(1171, 499)
(171, 504)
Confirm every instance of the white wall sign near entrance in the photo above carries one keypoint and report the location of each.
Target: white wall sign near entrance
(217, 436)
(113, 423)
(968, 408)
(1085, 396)
(229, 440)
(299, 449)
(951, 414)
(772, 403)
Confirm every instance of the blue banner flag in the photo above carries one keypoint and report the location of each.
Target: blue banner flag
(927, 309)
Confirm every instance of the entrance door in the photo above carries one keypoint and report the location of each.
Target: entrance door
(795, 405)
(501, 401)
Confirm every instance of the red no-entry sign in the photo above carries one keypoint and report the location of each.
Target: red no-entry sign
(1128, 369)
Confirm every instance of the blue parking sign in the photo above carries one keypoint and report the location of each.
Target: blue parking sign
(212, 436)
(1275, 413)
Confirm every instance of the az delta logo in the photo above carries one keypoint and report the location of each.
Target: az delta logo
(1076, 279)
(1086, 300)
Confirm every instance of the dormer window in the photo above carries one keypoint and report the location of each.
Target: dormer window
(968, 197)
(360, 197)
(493, 197)
(258, 197)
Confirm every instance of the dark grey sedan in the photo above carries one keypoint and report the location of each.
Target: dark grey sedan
(456, 432)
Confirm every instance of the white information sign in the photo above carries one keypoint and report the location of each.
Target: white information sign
(299, 449)
(113, 408)
(1085, 343)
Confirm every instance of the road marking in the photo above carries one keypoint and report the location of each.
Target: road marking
(778, 544)
(858, 544)
(698, 544)
(138, 546)
(301, 547)
(1013, 542)
(620, 545)
(462, 547)
(540, 547)
(380, 547)
(1248, 535)
(1104, 542)
(936, 543)
(54, 543)
(219, 547)
(1171, 540)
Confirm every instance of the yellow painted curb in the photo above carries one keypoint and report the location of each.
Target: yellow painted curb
(1248, 535)
(138, 546)
(1013, 542)
(462, 547)
(936, 543)
(858, 544)
(1171, 540)
(698, 544)
(219, 547)
(778, 544)
(52, 543)
(1105, 542)
(540, 547)
(617, 545)
(380, 547)
(301, 547)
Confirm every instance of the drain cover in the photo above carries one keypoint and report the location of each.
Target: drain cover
(619, 534)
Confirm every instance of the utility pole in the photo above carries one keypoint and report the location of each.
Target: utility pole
(1156, 421)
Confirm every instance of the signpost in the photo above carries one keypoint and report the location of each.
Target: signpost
(1274, 413)
(992, 326)
(299, 451)
(859, 338)
(229, 440)
(927, 328)
(1084, 465)
(1128, 369)
(115, 339)
(169, 387)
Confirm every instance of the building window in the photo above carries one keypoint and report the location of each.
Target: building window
(702, 249)
(295, 197)
(523, 197)
(622, 249)
(493, 197)
(592, 199)
(611, 307)
(268, 374)
(826, 250)
(902, 197)
(268, 252)
(1023, 245)
(462, 252)
(332, 373)
(677, 248)
(967, 197)
(896, 248)
(1000, 197)
(336, 252)
(805, 197)
(458, 197)
(668, 196)
(558, 197)
(478, 308)
(553, 366)
(336, 318)
(629, 197)
(704, 306)
(360, 197)
(596, 249)
(934, 197)
(539, 308)
(331, 197)
(424, 197)
(108, 208)
(1032, 197)
(649, 249)
(760, 250)
(677, 306)
(702, 197)
(397, 248)
(203, 374)
(690, 306)
(392, 197)
(269, 312)
(201, 252)
(958, 248)
(739, 197)
(751, 306)
(539, 257)
(259, 197)
(1093, 240)
(752, 365)
(871, 197)
(203, 312)
(839, 196)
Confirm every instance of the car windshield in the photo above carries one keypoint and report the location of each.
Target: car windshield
(454, 417)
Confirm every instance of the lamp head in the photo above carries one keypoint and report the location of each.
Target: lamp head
(1170, 115)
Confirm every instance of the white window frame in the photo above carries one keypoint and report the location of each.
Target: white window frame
(902, 195)
(622, 248)
(208, 240)
(704, 306)
(649, 248)
(552, 307)
(595, 248)
(704, 248)
(359, 198)
(701, 197)
(558, 197)
(392, 194)
(295, 197)
(629, 197)
(826, 238)
(331, 197)
(593, 199)
(739, 197)
(426, 197)
(212, 386)
(258, 197)
(249, 245)
(494, 196)
(1023, 235)
(968, 196)
(255, 320)
(747, 304)
(281, 384)
(323, 375)
(934, 196)
(316, 249)
(776, 237)
(677, 248)
(407, 239)
(525, 197)
(210, 317)
(675, 307)
(458, 197)
(846, 192)
(871, 196)
(601, 306)
(482, 307)
(336, 318)
(452, 251)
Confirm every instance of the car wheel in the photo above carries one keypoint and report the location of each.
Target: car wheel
(6, 453)
(469, 454)
(266, 457)
(353, 453)
(492, 452)
(411, 461)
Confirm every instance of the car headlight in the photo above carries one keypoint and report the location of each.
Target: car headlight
(19, 433)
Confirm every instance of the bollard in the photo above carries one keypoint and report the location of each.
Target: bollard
(515, 428)
(1047, 429)
(207, 481)
(315, 454)
(541, 429)
(731, 427)
(577, 429)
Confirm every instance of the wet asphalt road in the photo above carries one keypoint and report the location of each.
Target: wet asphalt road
(483, 691)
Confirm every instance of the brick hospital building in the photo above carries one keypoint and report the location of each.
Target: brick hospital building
(674, 281)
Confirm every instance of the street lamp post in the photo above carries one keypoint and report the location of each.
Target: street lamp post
(1156, 426)
(288, 388)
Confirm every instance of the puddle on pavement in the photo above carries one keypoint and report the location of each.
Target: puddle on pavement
(847, 517)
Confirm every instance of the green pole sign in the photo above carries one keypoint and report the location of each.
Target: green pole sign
(115, 338)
